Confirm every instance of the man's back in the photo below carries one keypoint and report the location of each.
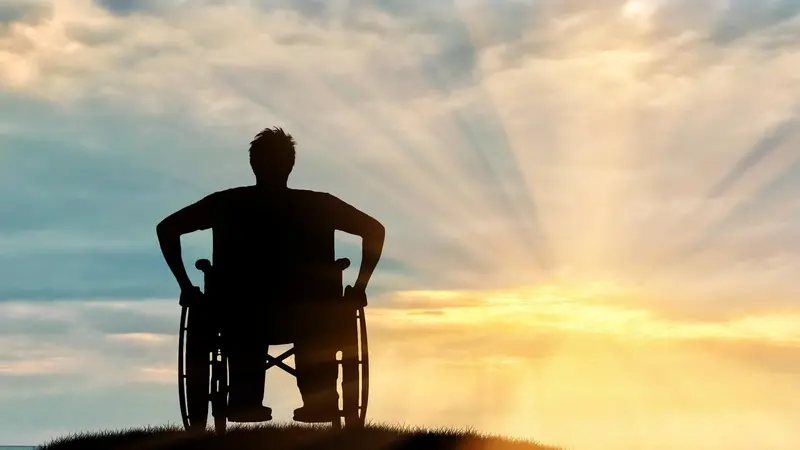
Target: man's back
(274, 243)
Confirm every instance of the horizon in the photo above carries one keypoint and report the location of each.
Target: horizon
(592, 217)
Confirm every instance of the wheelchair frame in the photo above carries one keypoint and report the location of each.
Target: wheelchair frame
(203, 366)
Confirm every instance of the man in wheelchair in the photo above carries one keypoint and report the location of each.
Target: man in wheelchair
(273, 256)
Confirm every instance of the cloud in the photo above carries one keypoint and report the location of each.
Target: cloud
(742, 19)
(130, 324)
(33, 367)
(125, 7)
(85, 345)
(24, 11)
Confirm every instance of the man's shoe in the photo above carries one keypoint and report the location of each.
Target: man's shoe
(316, 415)
(257, 414)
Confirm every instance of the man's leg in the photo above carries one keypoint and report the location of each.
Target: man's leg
(317, 328)
(246, 364)
(317, 373)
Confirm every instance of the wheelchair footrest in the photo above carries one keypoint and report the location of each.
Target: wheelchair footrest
(248, 420)
(263, 415)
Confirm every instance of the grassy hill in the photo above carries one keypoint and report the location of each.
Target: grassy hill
(294, 437)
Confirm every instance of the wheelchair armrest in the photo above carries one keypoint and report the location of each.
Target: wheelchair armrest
(203, 265)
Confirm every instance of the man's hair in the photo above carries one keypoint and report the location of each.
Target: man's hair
(274, 145)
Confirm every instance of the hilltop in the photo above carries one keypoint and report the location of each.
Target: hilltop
(294, 437)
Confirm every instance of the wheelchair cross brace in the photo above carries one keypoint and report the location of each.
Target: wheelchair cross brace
(278, 361)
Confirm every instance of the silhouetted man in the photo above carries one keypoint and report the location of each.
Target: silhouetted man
(273, 256)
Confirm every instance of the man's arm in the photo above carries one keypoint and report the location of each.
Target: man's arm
(351, 220)
(195, 217)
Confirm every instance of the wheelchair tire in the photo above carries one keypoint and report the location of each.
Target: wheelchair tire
(355, 374)
(194, 368)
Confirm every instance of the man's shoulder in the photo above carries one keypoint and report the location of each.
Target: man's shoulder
(233, 192)
(311, 195)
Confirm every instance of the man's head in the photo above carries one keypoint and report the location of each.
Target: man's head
(272, 156)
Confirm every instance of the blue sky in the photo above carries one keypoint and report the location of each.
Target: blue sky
(634, 160)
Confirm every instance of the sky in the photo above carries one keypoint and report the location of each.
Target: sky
(593, 227)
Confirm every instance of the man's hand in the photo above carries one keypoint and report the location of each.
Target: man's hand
(190, 296)
(357, 294)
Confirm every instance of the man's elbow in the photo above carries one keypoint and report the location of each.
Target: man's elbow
(377, 231)
(165, 229)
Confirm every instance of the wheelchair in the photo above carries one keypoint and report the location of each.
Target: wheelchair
(203, 366)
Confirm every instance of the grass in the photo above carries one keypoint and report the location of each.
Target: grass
(294, 437)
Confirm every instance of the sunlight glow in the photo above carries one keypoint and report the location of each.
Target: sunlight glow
(587, 309)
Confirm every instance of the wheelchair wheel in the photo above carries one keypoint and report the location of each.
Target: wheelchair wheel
(194, 366)
(355, 374)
